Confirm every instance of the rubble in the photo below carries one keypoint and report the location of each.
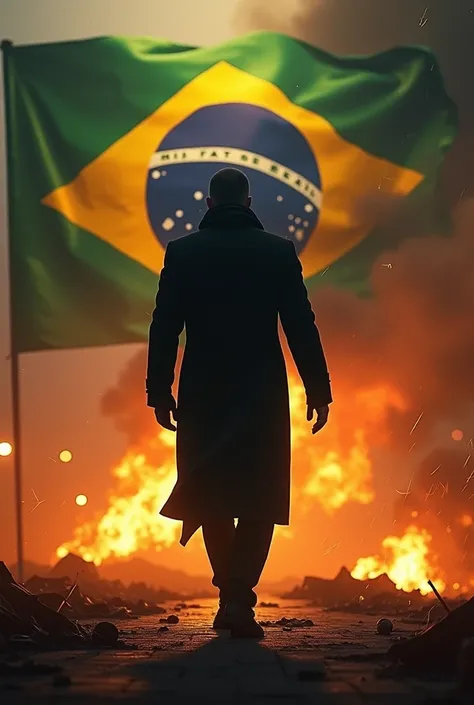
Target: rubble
(93, 597)
(438, 647)
(105, 633)
(24, 615)
(384, 627)
(345, 593)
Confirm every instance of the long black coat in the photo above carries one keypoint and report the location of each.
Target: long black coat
(227, 284)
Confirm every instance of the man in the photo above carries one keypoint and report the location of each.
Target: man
(227, 284)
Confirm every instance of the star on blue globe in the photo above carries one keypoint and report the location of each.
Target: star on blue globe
(284, 177)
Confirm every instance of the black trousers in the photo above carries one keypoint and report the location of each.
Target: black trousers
(237, 555)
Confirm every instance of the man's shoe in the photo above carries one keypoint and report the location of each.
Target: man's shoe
(242, 623)
(221, 620)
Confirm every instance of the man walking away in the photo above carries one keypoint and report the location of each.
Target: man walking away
(227, 284)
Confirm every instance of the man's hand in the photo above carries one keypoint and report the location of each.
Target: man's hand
(322, 417)
(164, 413)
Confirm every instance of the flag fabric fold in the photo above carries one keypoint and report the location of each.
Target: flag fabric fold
(112, 141)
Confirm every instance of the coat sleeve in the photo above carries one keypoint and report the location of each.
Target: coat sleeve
(298, 322)
(166, 326)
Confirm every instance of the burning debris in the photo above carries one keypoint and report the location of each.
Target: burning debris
(347, 593)
(405, 563)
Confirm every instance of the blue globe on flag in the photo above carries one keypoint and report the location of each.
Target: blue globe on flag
(284, 177)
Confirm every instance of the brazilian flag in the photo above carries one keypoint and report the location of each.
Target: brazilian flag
(112, 142)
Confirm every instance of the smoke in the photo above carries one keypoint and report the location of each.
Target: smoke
(441, 500)
(125, 404)
(369, 26)
(416, 334)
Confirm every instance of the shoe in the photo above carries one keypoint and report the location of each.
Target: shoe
(242, 622)
(221, 620)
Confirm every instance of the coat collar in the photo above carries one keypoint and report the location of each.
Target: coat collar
(230, 216)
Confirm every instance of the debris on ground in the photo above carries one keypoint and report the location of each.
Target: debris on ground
(384, 627)
(105, 634)
(345, 593)
(26, 623)
(273, 605)
(23, 614)
(93, 597)
(438, 647)
(172, 619)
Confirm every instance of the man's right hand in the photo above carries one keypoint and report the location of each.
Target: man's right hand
(321, 417)
(164, 414)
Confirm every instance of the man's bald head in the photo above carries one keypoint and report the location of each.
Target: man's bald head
(229, 186)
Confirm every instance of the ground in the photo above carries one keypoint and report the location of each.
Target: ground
(338, 660)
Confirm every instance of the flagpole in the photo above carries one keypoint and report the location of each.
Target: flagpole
(6, 47)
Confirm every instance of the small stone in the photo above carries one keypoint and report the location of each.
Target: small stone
(308, 623)
(384, 627)
(105, 633)
(172, 619)
(164, 629)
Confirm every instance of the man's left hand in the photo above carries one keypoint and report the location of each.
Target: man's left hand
(164, 414)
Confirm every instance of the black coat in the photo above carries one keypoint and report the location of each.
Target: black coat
(227, 284)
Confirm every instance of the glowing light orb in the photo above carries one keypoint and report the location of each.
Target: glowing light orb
(6, 449)
(81, 500)
(65, 456)
(457, 435)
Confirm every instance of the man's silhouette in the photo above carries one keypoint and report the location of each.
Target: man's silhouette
(227, 284)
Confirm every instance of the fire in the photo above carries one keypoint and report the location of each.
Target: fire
(334, 468)
(132, 521)
(406, 560)
(334, 481)
(331, 469)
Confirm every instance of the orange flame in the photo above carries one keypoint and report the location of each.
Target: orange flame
(132, 521)
(332, 469)
(406, 561)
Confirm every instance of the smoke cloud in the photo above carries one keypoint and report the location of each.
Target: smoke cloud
(369, 26)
